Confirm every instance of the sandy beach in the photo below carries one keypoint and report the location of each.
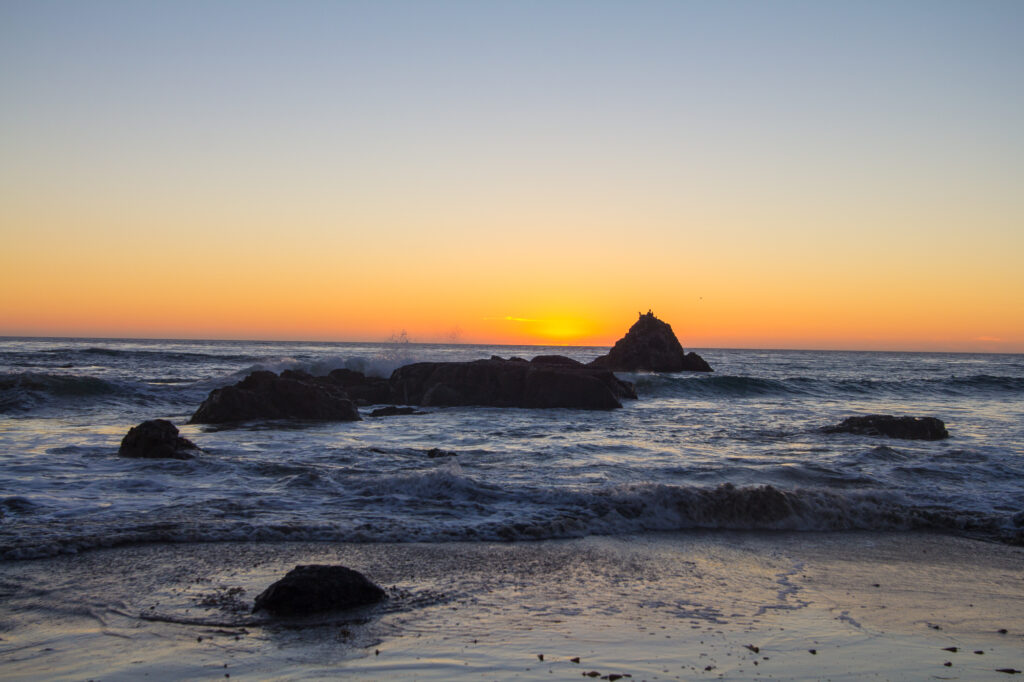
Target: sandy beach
(694, 605)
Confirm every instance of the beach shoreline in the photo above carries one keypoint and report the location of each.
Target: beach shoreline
(679, 605)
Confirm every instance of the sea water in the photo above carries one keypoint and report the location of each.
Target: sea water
(740, 448)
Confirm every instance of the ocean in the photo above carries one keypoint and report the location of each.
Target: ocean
(738, 449)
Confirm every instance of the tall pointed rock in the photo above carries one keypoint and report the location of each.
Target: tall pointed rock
(650, 345)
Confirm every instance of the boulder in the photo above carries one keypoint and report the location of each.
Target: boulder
(316, 588)
(265, 395)
(508, 383)
(157, 439)
(909, 428)
(650, 345)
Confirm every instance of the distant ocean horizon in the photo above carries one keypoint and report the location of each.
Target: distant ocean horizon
(414, 342)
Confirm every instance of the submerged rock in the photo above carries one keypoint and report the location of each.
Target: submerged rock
(315, 588)
(909, 428)
(650, 345)
(157, 439)
(508, 383)
(265, 395)
(394, 411)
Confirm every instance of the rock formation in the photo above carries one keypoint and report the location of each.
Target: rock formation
(361, 389)
(909, 428)
(316, 588)
(265, 395)
(157, 439)
(508, 383)
(650, 345)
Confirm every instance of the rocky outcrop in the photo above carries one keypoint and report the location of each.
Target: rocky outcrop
(508, 383)
(650, 345)
(360, 388)
(316, 588)
(265, 395)
(560, 360)
(909, 428)
(157, 439)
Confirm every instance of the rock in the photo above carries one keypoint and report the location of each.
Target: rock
(508, 383)
(361, 388)
(909, 428)
(434, 453)
(650, 345)
(560, 360)
(316, 588)
(157, 439)
(393, 411)
(265, 395)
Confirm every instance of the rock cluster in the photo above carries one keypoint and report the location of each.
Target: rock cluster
(650, 345)
(909, 428)
(361, 389)
(315, 588)
(265, 395)
(157, 439)
(547, 381)
(540, 383)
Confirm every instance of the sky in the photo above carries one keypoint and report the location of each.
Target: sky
(835, 175)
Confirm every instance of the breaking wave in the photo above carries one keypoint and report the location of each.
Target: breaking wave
(467, 510)
(22, 391)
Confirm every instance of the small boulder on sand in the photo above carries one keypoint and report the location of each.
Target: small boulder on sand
(314, 588)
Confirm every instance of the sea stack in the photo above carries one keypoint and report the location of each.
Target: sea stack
(650, 345)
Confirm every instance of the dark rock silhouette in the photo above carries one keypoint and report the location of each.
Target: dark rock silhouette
(157, 439)
(909, 428)
(508, 383)
(393, 411)
(560, 360)
(316, 588)
(650, 345)
(265, 395)
(362, 389)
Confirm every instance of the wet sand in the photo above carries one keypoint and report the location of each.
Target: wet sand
(695, 605)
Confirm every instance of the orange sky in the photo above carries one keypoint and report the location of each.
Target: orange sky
(748, 172)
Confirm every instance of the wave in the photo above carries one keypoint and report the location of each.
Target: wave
(660, 385)
(149, 355)
(468, 510)
(26, 391)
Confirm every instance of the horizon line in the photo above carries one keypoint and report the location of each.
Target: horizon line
(497, 345)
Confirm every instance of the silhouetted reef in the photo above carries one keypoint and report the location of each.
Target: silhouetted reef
(908, 428)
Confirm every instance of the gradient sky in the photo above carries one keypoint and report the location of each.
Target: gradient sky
(761, 174)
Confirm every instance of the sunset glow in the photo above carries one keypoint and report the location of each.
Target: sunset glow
(758, 174)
